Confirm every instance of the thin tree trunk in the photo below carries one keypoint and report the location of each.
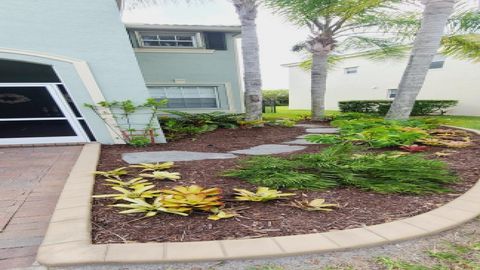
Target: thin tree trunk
(319, 85)
(426, 45)
(247, 12)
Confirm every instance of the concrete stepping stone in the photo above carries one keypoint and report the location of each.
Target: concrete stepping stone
(268, 149)
(164, 156)
(309, 126)
(300, 141)
(323, 130)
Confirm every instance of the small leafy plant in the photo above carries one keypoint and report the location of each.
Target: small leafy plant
(153, 167)
(193, 197)
(116, 173)
(137, 192)
(221, 214)
(150, 209)
(132, 183)
(314, 205)
(162, 175)
(262, 194)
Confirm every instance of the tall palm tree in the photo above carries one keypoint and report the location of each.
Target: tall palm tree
(426, 45)
(337, 25)
(247, 13)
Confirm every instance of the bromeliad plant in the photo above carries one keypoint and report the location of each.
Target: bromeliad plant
(150, 209)
(193, 197)
(314, 205)
(139, 191)
(132, 183)
(162, 175)
(262, 194)
(153, 166)
(116, 173)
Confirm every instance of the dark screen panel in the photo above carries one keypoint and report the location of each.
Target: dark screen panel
(27, 102)
(31, 129)
(23, 72)
(215, 41)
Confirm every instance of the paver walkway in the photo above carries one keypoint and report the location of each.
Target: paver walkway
(31, 180)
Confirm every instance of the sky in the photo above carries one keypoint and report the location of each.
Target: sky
(276, 35)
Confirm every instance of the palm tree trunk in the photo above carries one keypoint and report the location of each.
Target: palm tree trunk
(319, 85)
(426, 45)
(247, 12)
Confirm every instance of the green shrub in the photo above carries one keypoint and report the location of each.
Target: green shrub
(377, 132)
(280, 96)
(346, 165)
(184, 124)
(381, 107)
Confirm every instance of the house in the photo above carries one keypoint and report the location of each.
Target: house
(194, 66)
(357, 77)
(57, 55)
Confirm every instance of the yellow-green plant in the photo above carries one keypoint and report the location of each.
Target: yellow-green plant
(314, 205)
(150, 209)
(261, 195)
(140, 191)
(162, 175)
(132, 183)
(116, 173)
(153, 166)
(221, 214)
(194, 197)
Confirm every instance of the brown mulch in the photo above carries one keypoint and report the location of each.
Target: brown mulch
(358, 208)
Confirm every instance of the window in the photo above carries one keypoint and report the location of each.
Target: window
(187, 97)
(438, 62)
(392, 93)
(175, 40)
(351, 70)
(215, 41)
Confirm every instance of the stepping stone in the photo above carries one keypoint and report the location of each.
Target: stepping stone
(300, 141)
(323, 130)
(309, 125)
(305, 136)
(164, 156)
(268, 149)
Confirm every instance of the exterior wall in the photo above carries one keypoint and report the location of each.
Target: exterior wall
(457, 80)
(84, 30)
(195, 67)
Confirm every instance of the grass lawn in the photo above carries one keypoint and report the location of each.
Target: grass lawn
(454, 120)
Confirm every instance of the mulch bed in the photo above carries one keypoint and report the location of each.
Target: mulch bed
(358, 208)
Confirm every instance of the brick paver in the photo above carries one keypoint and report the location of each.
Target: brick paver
(31, 179)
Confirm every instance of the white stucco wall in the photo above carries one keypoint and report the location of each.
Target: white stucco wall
(457, 80)
(84, 30)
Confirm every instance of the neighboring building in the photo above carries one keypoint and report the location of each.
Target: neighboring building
(194, 66)
(57, 55)
(358, 78)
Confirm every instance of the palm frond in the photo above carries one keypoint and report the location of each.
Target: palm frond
(465, 47)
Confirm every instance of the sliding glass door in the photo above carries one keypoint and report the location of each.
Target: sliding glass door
(37, 113)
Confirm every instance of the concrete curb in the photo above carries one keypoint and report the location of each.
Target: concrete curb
(68, 239)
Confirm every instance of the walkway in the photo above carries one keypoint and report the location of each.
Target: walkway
(31, 180)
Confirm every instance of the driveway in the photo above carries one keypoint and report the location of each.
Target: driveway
(31, 179)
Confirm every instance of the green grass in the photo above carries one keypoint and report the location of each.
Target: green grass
(459, 121)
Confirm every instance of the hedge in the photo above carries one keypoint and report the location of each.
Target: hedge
(381, 107)
(280, 96)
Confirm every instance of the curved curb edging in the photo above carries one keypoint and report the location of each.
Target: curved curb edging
(68, 238)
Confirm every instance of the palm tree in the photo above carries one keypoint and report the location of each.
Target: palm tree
(337, 25)
(426, 45)
(247, 12)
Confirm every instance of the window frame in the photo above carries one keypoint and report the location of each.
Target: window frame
(391, 91)
(345, 70)
(196, 39)
(181, 87)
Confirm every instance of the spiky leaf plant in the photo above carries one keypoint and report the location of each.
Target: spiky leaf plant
(262, 194)
(193, 197)
(116, 173)
(162, 175)
(221, 214)
(150, 209)
(132, 183)
(153, 166)
(140, 191)
(314, 205)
